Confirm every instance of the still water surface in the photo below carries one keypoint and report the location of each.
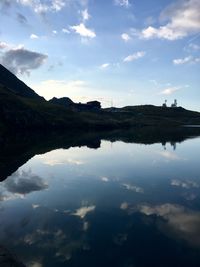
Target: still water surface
(122, 204)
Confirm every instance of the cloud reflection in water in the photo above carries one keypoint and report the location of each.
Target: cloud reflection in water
(185, 223)
(21, 183)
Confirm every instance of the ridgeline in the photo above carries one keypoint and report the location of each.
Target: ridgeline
(21, 109)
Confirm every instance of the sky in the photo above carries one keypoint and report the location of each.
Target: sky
(120, 52)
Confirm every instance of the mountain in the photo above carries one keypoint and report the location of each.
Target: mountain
(26, 113)
(63, 101)
(67, 102)
(21, 109)
(9, 80)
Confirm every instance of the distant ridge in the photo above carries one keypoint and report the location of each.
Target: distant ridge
(9, 80)
(63, 101)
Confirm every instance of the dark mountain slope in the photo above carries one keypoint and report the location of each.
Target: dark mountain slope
(14, 112)
(10, 81)
(21, 113)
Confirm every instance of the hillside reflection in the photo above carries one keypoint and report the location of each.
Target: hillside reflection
(16, 149)
(102, 199)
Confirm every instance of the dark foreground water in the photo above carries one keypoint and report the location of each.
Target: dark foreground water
(113, 204)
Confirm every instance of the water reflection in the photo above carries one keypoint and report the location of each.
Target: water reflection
(19, 184)
(185, 183)
(178, 220)
(83, 211)
(17, 149)
(133, 188)
(125, 204)
(173, 144)
(24, 182)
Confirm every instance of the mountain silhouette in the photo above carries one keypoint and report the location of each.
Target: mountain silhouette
(23, 109)
(10, 81)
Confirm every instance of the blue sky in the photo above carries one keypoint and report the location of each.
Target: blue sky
(120, 52)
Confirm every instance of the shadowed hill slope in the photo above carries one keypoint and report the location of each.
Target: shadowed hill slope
(9, 80)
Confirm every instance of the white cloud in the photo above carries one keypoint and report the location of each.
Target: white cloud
(185, 184)
(35, 206)
(163, 32)
(189, 59)
(104, 66)
(85, 14)
(57, 5)
(169, 155)
(83, 211)
(134, 188)
(54, 162)
(40, 6)
(64, 30)
(183, 19)
(170, 90)
(125, 37)
(134, 56)
(104, 179)
(180, 61)
(83, 31)
(124, 3)
(4, 45)
(184, 222)
(8, 46)
(34, 36)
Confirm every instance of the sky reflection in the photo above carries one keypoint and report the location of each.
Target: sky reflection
(105, 207)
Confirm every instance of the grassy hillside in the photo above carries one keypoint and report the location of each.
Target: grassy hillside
(26, 113)
(155, 115)
(21, 113)
(22, 109)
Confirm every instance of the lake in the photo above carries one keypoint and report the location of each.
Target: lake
(119, 199)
